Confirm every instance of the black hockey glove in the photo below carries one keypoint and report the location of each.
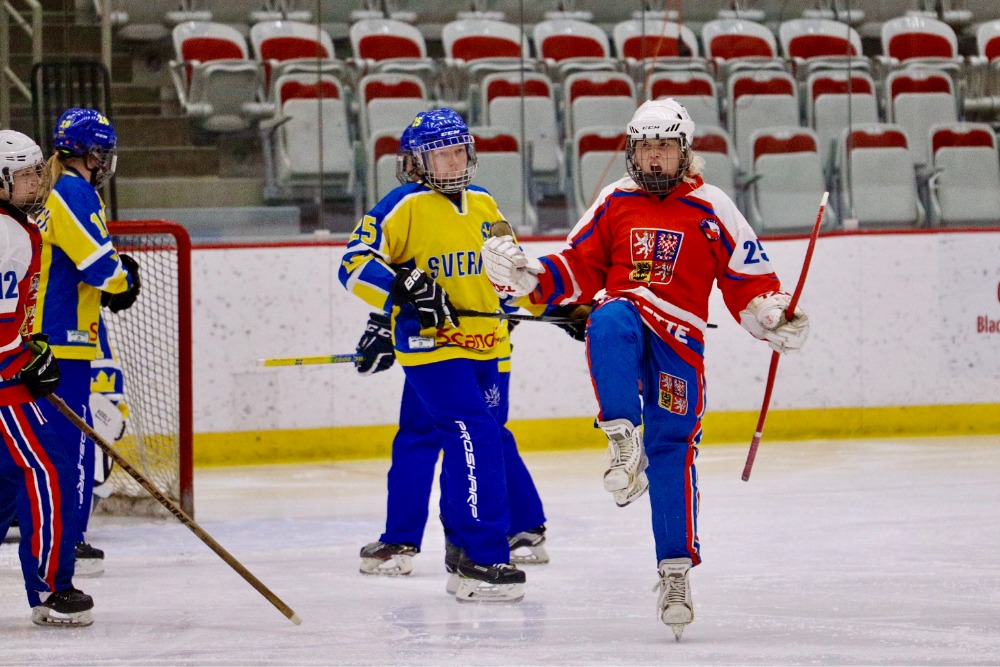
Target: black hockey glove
(41, 374)
(375, 346)
(123, 300)
(415, 287)
(577, 329)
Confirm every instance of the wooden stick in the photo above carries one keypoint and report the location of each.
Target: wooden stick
(79, 422)
(773, 369)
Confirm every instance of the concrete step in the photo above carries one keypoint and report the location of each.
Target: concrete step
(121, 64)
(57, 39)
(166, 162)
(154, 131)
(187, 192)
(226, 224)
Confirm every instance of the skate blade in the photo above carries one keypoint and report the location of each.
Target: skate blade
(678, 629)
(42, 615)
(453, 583)
(529, 556)
(396, 566)
(89, 567)
(473, 590)
(633, 493)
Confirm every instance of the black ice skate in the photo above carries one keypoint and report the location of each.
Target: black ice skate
(528, 547)
(501, 582)
(13, 532)
(452, 554)
(390, 560)
(89, 561)
(67, 609)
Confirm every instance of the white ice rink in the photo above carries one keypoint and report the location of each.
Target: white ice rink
(836, 552)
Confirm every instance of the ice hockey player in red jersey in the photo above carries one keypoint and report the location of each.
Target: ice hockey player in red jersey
(647, 253)
(38, 469)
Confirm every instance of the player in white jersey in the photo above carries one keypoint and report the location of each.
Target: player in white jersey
(38, 468)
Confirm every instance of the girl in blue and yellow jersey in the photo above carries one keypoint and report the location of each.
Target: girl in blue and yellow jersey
(81, 271)
(416, 255)
(38, 468)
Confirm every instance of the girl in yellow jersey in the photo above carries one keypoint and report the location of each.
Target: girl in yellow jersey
(416, 255)
(80, 272)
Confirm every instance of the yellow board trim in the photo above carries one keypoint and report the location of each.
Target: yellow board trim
(368, 442)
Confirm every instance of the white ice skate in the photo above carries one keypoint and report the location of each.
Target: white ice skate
(390, 560)
(528, 547)
(501, 582)
(628, 458)
(633, 492)
(675, 605)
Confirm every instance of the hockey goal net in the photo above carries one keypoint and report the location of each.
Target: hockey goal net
(152, 340)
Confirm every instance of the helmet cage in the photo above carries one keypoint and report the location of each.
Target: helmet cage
(107, 162)
(657, 183)
(449, 182)
(21, 159)
(28, 205)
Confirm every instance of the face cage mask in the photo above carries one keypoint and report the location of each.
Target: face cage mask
(405, 168)
(107, 161)
(449, 182)
(34, 205)
(652, 182)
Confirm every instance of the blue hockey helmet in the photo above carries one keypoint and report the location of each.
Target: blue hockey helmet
(88, 133)
(436, 130)
(404, 157)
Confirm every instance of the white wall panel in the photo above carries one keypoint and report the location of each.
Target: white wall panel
(893, 322)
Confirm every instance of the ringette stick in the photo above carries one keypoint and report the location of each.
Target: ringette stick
(789, 313)
(517, 317)
(174, 509)
(311, 361)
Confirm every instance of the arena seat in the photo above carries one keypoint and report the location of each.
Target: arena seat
(217, 84)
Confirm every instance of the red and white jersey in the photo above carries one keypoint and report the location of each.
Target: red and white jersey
(20, 258)
(662, 253)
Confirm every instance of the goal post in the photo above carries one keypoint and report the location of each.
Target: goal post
(152, 341)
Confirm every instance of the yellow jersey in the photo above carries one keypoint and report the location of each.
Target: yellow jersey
(416, 226)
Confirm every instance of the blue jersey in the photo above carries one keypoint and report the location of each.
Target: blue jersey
(78, 263)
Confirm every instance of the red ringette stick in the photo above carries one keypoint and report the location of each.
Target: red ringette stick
(789, 313)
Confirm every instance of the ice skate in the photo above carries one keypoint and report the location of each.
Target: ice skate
(528, 547)
(675, 604)
(628, 458)
(13, 533)
(391, 560)
(452, 554)
(89, 561)
(633, 492)
(68, 609)
(501, 582)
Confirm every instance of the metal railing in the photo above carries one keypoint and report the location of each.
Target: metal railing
(33, 29)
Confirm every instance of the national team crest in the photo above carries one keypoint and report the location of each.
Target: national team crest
(673, 394)
(654, 253)
(710, 228)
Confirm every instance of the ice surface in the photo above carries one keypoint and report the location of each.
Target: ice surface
(835, 552)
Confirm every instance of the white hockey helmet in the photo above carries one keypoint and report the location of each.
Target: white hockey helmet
(20, 158)
(659, 119)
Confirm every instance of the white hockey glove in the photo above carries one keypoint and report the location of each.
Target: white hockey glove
(764, 318)
(511, 271)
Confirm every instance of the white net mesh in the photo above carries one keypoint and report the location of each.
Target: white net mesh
(149, 339)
